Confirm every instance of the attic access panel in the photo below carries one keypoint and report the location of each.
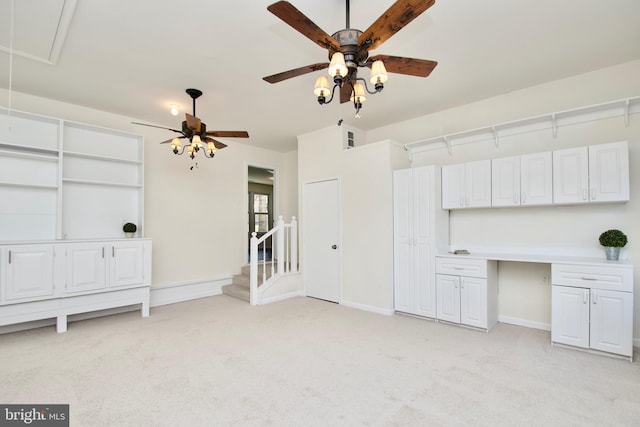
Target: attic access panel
(39, 27)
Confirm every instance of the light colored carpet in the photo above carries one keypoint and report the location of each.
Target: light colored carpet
(303, 362)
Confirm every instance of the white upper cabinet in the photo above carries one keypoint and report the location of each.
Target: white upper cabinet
(466, 185)
(522, 180)
(598, 173)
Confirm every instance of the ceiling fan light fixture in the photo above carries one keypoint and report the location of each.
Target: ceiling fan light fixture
(358, 96)
(337, 66)
(378, 75)
(211, 148)
(321, 89)
(196, 143)
(176, 145)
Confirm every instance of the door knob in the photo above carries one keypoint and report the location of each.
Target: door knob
(334, 246)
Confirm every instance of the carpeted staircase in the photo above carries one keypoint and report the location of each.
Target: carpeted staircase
(239, 287)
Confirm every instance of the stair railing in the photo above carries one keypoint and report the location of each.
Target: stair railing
(284, 254)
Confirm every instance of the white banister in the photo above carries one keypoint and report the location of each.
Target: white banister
(285, 253)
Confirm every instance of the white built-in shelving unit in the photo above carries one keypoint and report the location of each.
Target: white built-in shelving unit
(66, 180)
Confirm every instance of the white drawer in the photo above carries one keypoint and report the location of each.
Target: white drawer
(461, 266)
(599, 277)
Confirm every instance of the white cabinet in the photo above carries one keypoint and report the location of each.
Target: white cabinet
(86, 267)
(592, 307)
(421, 228)
(57, 279)
(522, 180)
(596, 174)
(29, 272)
(466, 185)
(466, 290)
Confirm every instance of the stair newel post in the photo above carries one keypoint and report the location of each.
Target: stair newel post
(280, 244)
(253, 270)
(294, 245)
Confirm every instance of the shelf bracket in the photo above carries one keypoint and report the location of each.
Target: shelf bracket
(496, 137)
(554, 124)
(626, 113)
(448, 142)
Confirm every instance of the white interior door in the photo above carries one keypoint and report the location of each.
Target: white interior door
(321, 233)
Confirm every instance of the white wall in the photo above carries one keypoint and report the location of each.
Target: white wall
(525, 289)
(366, 202)
(196, 218)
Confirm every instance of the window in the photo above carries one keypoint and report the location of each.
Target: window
(260, 213)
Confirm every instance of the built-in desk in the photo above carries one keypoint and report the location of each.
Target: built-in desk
(591, 298)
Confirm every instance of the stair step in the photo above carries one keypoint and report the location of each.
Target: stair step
(236, 291)
(245, 269)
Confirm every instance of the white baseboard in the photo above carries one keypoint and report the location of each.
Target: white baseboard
(378, 310)
(282, 297)
(523, 322)
(181, 292)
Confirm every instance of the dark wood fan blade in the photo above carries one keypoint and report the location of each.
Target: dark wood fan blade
(296, 19)
(393, 20)
(228, 133)
(154, 126)
(296, 72)
(409, 66)
(345, 92)
(169, 140)
(219, 145)
(193, 122)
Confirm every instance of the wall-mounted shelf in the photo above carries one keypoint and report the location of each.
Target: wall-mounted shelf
(21, 185)
(103, 158)
(101, 183)
(552, 121)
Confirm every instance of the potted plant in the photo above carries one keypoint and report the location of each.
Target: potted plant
(129, 229)
(613, 240)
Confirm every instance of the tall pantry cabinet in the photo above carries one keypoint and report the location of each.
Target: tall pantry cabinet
(421, 229)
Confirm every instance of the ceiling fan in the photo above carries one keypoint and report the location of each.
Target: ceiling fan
(196, 132)
(349, 49)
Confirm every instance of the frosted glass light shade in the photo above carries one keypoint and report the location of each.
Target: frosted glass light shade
(358, 93)
(196, 142)
(176, 144)
(378, 73)
(322, 87)
(211, 148)
(337, 65)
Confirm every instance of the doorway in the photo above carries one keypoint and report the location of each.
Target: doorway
(321, 228)
(260, 203)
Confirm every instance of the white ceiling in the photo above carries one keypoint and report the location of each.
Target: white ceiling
(135, 57)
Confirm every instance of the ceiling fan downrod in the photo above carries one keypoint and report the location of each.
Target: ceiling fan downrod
(194, 94)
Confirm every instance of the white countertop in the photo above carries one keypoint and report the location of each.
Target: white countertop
(539, 258)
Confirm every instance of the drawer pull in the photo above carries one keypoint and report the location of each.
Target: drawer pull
(589, 278)
(458, 268)
(9, 257)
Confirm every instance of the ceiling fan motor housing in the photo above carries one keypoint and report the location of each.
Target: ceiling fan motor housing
(348, 40)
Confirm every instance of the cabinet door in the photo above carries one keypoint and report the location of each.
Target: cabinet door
(571, 175)
(473, 302)
(478, 184)
(425, 291)
(536, 186)
(505, 181)
(609, 172)
(612, 321)
(29, 271)
(403, 240)
(570, 316)
(448, 297)
(453, 183)
(126, 266)
(86, 267)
